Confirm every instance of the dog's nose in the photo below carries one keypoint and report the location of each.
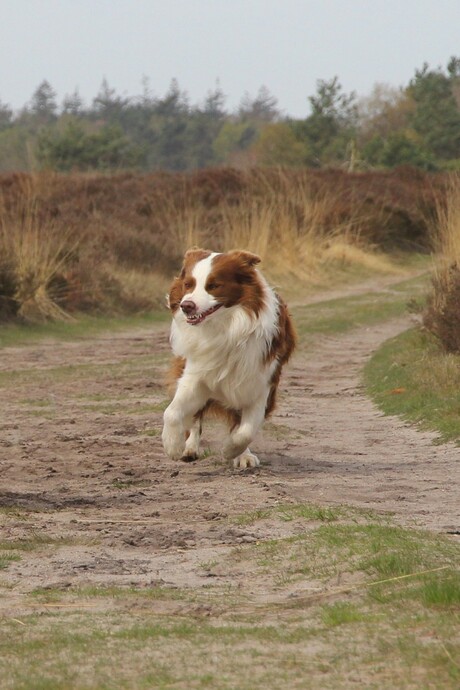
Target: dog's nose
(188, 307)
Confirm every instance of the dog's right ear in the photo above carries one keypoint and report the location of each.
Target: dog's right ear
(245, 258)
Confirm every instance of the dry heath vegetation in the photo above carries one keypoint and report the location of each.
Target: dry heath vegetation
(110, 244)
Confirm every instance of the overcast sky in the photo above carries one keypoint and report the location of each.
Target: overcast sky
(286, 45)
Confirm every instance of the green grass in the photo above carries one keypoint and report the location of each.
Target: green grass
(308, 512)
(342, 613)
(14, 512)
(6, 558)
(435, 591)
(340, 315)
(147, 364)
(83, 326)
(13, 550)
(311, 512)
(411, 377)
(386, 630)
(378, 550)
(337, 316)
(36, 541)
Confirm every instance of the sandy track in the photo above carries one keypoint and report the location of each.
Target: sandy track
(81, 461)
(350, 452)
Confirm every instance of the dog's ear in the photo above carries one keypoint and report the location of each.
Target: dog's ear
(191, 256)
(193, 250)
(176, 293)
(246, 258)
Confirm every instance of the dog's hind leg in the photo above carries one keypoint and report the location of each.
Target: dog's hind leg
(236, 446)
(246, 459)
(192, 444)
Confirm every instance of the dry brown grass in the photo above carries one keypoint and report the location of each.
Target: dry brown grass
(442, 316)
(293, 227)
(33, 253)
(110, 244)
(269, 228)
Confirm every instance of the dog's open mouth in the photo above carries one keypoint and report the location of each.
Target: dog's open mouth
(195, 319)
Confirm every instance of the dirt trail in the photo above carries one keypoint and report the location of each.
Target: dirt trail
(81, 461)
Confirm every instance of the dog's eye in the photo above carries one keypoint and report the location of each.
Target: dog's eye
(188, 285)
(212, 286)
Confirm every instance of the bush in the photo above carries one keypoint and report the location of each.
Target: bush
(442, 315)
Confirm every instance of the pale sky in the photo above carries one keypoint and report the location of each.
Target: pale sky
(286, 45)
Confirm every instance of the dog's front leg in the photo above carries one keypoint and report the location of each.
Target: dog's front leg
(190, 397)
(236, 447)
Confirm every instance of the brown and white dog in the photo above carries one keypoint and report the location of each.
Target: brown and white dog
(231, 335)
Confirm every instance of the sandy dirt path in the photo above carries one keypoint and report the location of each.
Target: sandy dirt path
(81, 461)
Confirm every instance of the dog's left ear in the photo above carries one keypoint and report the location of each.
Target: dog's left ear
(191, 256)
(246, 258)
(191, 251)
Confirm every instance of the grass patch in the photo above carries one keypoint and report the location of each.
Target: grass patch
(336, 316)
(14, 512)
(145, 364)
(80, 328)
(305, 511)
(150, 432)
(339, 315)
(7, 558)
(411, 377)
(11, 550)
(342, 613)
(441, 592)
(122, 594)
(36, 541)
(310, 512)
(386, 632)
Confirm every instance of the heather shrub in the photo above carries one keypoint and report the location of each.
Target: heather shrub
(110, 243)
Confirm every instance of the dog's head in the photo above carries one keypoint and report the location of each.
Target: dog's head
(210, 281)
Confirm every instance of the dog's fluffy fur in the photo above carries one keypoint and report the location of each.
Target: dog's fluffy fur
(231, 335)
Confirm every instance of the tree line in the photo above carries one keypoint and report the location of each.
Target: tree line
(418, 124)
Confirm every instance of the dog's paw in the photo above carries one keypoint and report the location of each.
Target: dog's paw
(173, 444)
(189, 456)
(245, 460)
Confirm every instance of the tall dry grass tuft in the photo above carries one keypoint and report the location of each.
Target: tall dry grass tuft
(185, 219)
(297, 231)
(442, 316)
(33, 253)
(288, 246)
